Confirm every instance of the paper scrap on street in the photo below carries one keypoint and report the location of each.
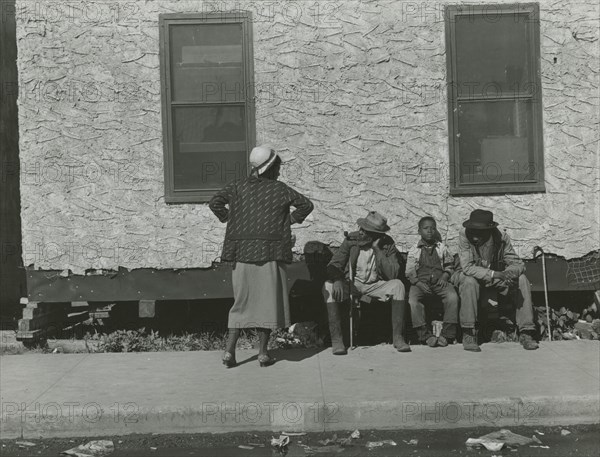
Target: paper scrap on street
(490, 445)
(280, 442)
(25, 443)
(374, 444)
(496, 440)
(97, 448)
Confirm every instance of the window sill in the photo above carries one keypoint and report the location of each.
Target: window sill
(487, 189)
(195, 198)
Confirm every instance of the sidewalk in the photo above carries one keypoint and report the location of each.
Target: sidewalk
(54, 395)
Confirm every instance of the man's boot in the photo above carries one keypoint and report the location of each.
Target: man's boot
(425, 336)
(448, 334)
(398, 314)
(470, 340)
(335, 329)
(527, 341)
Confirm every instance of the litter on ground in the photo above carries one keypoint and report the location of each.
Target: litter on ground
(496, 440)
(280, 442)
(97, 448)
(489, 444)
(374, 444)
(25, 443)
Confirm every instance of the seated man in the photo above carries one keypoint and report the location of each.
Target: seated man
(374, 260)
(429, 267)
(488, 260)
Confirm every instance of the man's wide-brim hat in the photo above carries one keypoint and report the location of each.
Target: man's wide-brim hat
(262, 157)
(480, 219)
(374, 222)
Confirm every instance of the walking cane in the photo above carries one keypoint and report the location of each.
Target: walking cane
(351, 305)
(535, 251)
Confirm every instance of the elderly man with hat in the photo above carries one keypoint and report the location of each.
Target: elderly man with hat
(258, 240)
(375, 261)
(490, 267)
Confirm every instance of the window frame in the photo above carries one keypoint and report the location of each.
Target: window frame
(456, 187)
(173, 19)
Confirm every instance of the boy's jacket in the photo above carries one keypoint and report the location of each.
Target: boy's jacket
(414, 257)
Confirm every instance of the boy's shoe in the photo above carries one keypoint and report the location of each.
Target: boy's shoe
(432, 341)
(442, 341)
(425, 336)
(470, 341)
(528, 342)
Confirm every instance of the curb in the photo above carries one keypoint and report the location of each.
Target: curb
(95, 420)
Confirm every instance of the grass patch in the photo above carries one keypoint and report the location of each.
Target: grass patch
(142, 340)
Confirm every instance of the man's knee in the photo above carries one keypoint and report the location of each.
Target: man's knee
(397, 289)
(327, 291)
(468, 283)
(452, 298)
(413, 301)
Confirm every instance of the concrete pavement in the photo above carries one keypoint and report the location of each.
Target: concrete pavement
(54, 395)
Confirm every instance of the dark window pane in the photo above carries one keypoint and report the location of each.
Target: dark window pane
(209, 147)
(206, 63)
(495, 140)
(492, 54)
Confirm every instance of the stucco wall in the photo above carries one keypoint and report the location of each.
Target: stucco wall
(359, 115)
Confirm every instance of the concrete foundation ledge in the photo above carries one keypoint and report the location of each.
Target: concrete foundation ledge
(93, 419)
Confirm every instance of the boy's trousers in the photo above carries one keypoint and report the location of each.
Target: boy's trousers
(449, 300)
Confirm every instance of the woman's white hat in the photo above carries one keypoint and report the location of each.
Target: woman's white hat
(262, 157)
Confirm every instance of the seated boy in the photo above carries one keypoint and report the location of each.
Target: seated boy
(429, 267)
(375, 264)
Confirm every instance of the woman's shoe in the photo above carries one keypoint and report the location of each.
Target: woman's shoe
(265, 360)
(228, 359)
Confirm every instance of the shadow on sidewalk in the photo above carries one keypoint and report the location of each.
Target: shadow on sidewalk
(291, 355)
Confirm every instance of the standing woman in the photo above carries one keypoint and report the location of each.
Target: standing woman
(258, 239)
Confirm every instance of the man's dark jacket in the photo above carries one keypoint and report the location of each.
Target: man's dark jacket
(388, 262)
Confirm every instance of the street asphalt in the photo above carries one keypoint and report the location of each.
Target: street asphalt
(69, 395)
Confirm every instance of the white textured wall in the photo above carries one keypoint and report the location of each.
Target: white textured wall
(359, 115)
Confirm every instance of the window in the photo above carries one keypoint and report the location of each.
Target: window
(207, 102)
(494, 99)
